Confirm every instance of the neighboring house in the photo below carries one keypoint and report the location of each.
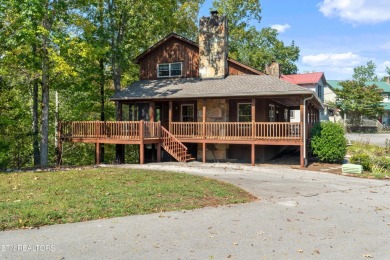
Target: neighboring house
(385, 86)
(314, 81)
(194, 102)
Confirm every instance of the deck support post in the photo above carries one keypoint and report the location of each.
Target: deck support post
(253, 154)
(158, 152)
(170, 117)
(97, 153)
(203, 152)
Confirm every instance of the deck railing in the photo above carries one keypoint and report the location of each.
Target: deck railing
(137, 130)
(237, 130)
(119, 130)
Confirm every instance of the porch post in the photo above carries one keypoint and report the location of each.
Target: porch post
(141, 145)
(253, 117)
(253, 151)
(170, 117)
(152, 108)
(120, 148)
(204, 118)
(302, 161)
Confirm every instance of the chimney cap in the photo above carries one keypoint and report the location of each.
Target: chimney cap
(214, 12)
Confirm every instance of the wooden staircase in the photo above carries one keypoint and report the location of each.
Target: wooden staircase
(174, 147)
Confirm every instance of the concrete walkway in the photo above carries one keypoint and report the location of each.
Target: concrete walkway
(300, 215)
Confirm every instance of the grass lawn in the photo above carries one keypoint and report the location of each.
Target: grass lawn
(31, 199)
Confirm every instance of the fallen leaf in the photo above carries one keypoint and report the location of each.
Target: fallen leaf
(368, 256)
(317, 251)
(300, 251)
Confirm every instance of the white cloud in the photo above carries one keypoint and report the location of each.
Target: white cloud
(334, 65)
(357, 11)
(386, 46)
(280, 27)
(332, 59)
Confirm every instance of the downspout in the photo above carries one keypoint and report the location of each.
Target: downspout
(304, 128)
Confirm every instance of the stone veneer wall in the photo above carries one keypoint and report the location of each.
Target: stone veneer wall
(217, 110)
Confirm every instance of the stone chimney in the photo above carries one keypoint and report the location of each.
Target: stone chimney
(273, 69)
(213, 46)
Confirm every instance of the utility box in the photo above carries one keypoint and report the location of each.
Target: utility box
(352, 168)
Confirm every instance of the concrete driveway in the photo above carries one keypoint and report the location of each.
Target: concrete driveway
(377, 139)
(299, 215)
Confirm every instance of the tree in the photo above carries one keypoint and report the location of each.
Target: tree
(251, 46)
(357, 100)
(365, 73)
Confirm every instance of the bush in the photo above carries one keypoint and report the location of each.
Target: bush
(328, 142)
(362, 159)
(382, 162)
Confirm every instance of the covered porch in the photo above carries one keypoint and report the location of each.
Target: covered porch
(210, 124)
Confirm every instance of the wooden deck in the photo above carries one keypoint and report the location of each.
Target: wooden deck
(133, 132)
(172, 139)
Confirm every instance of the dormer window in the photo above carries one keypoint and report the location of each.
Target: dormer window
(167, 70)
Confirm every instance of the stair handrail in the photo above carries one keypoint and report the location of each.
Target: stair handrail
(164, 130)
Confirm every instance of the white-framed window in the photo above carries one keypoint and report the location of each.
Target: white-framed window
(167, 70)
(244, 112)
(187, 113)
(271, 113)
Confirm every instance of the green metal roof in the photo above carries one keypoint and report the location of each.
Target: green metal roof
(380, 84)
(335, 84)
(386, 105)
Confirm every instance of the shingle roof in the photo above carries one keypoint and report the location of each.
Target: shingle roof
(231, 86)
(335, 84)
(307, 78)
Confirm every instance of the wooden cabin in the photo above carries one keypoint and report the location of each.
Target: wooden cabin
(193, 102)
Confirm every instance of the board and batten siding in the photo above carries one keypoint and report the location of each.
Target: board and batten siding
(173, 50)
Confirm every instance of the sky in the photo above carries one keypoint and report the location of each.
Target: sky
(334, 36)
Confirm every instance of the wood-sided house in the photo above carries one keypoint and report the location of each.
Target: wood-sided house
(193, 102)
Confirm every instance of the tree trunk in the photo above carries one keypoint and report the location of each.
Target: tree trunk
(45, 99)
(37, 156)
(102, 115)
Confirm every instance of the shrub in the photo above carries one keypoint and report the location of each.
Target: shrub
(382, 162)
(328, 142)
(362, 159)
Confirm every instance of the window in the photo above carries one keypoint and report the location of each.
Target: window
(319, 91)
(292, 115)
(167, 70)
(272, 113)
(187, 113)
(244, 113)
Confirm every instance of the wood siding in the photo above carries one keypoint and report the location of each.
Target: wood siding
(235, 69)
(174, 50)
